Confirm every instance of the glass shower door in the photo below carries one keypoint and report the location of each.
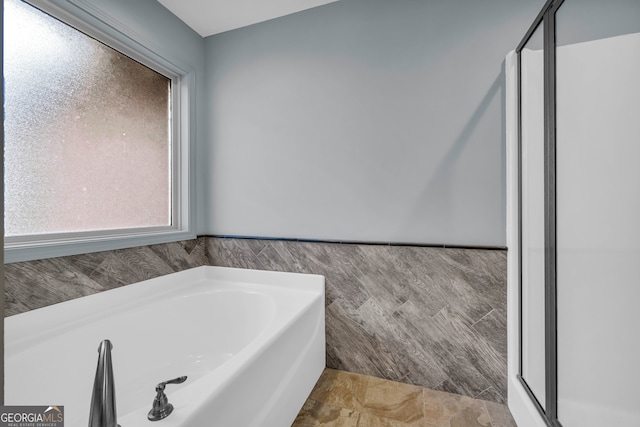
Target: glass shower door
(533, 364)
(598, 212)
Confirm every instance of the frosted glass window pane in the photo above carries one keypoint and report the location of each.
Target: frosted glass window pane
(87, 131)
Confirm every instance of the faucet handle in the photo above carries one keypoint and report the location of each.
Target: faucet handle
(161, 406)
(160, 387)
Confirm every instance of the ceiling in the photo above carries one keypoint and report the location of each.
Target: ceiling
(208, 17)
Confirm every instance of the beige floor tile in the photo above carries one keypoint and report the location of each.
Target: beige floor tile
(370, 420)
(500, 415)
(458, 411)
(340, 388)
(393, 400)
(344, 399)
(471, 416)
(316, 413)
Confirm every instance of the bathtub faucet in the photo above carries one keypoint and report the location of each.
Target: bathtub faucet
(103, 399)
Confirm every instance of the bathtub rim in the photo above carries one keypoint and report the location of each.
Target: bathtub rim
(16, 325)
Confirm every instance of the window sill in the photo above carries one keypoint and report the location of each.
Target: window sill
(65, 245)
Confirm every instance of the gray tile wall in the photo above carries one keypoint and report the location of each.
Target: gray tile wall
(433, 317)
(34, 284)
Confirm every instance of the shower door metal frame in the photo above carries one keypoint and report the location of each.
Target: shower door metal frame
(546, 17)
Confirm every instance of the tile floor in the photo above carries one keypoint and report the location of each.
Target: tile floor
(344, 399)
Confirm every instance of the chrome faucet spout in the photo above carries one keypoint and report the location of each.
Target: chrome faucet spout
(103, 399)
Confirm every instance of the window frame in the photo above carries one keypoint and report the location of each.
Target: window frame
(94, 23)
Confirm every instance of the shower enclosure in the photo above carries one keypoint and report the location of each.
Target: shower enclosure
(573, 125)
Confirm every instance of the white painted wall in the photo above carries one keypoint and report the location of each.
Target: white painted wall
(363, 120)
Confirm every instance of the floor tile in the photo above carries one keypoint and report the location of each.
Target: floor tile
(353, 400)
(316, 413)
(340, 388)
(344, 399)
(370, 420)
(458, 411)
(500, 415)
(393, 400)
(471, 416)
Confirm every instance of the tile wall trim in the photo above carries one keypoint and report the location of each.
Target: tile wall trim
(357, 242)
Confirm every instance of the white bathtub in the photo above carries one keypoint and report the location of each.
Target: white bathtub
(251, 343)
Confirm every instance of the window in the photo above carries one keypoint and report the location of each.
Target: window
(91, 148)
